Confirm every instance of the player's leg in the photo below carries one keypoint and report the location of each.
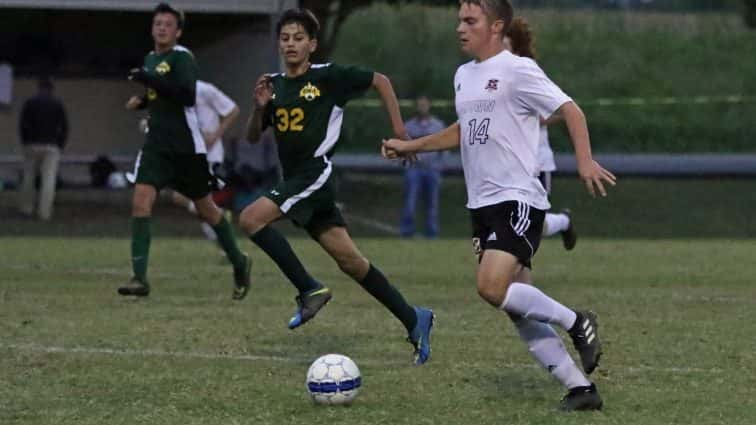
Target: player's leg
(141, 212)
(412, 180)
(27, 193)
(49, 177)
(560, 222)
(496, 285)
(431, 188)
(152, 171)
(242, 264)
(546, 346)
(255, 220)
(418, 321)
(508, 247)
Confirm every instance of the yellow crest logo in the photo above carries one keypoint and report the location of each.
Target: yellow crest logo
(309, 92)
(163, 68)
(151, 94)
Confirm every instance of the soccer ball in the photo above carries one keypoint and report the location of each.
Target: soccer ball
(333, 379)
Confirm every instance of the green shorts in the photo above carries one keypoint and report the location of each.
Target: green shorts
(187, 174)
(308, 200)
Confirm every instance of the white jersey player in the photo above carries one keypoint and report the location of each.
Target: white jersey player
(520, 41)
(500, 99)
(216, 112)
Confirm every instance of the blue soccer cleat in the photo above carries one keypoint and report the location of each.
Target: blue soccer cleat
(420, 336)
(308, 305)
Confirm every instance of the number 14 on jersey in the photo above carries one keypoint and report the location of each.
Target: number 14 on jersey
(478, 132)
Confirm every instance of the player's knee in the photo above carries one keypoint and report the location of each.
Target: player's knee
(249, 223)
(209, 214)
(355, 266)
(141, 205)
(493, 291)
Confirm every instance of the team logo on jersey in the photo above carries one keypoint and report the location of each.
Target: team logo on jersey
(151, 94)
(163, 68)
(493, 84)
(309, 92)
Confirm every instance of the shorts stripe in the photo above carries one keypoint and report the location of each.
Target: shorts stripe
(523, 219)
(133, 177)
(321, 180)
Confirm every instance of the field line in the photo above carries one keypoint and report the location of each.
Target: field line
(305, 360)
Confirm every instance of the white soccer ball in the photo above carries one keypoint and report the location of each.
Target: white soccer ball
(333, 379)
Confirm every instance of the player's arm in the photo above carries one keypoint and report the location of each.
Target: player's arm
(589, 170)
(226, 122)
(136, 103)
(553, 119)
(182, 90)
(385, 90)
(445, 139)
(260, 118)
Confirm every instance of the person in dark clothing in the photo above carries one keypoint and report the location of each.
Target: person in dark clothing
(44, 130)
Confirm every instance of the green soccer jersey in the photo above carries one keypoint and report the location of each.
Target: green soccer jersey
(172, 126)
(306, 113)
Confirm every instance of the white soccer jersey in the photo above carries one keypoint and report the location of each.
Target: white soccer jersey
(211, 105)
(499, 102)
(546, 161)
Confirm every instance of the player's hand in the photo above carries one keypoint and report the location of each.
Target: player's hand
(593, 175)
(263, 90)
(134, 103)
(138, 74)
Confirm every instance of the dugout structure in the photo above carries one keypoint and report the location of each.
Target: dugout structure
(89, 46)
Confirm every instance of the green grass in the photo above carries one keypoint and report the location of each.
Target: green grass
(637, 208)
(677, 318)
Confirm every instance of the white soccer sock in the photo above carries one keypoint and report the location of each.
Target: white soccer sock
(209, 232)
(529, 302)
(547, 348)
(555, 223)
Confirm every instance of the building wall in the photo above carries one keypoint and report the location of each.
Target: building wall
(100, 124)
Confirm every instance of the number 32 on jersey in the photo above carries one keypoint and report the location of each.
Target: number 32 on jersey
(290, 120)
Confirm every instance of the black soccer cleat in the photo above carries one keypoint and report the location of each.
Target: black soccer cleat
(569, 236)
(135, 287)
(242, 279)
(582, 398)
(585, 338)
(308, 305)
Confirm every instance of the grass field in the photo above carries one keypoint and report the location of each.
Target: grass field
(677, 316)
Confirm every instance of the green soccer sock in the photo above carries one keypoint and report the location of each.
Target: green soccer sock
(140, 246)
(379, 287)
(278, 249)
(227, 242)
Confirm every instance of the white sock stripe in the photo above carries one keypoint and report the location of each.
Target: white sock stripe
(589, 331)
(591, 338)
(586, 323)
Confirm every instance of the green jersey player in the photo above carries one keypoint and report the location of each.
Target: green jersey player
(304, 105)
(174, 152)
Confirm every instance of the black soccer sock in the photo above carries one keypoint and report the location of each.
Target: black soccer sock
(140, 247)
(278, 249)
(227, 242)
(379, 287)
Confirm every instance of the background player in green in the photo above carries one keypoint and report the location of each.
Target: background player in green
(174, 152)
(305, 107)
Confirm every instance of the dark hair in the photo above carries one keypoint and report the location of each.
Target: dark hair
(496, 9)
(302, 17)
(167, 8)
(522, 38)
